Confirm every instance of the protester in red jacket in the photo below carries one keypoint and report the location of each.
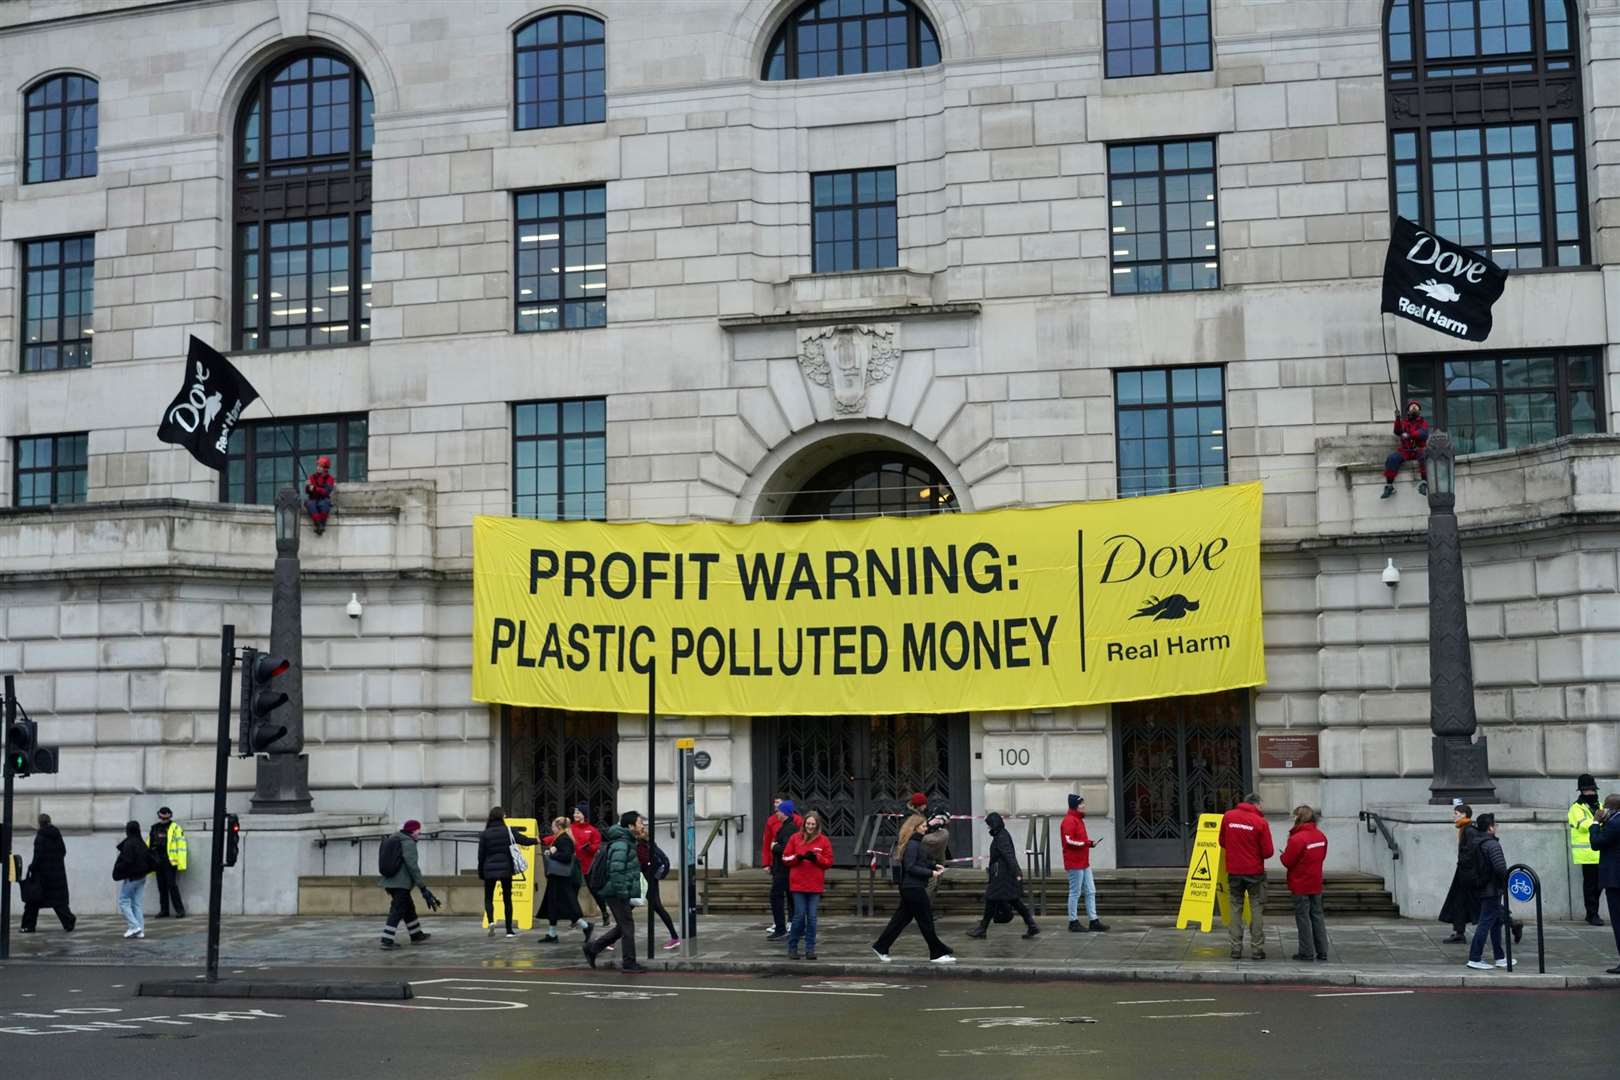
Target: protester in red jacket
(773, 824)
(1077, 862)
(1413, 432)
(319, 487)
(1304, 855)
(1246, 839)
(587, 841)
(808, 854)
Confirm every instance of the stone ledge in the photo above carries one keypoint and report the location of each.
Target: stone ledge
(915, 311)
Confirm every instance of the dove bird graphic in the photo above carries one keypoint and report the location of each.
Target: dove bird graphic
(1174, 606)
(1439, 292)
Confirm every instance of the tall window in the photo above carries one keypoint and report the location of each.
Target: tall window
(559, 459)
(1161, 199)
(59, 300)
(849, 37)
(303, 205)
(50, 469)
(61, 128)
(265, 456)
(1484, 109)
(853, 221)
(561, 259)
(878, 482)
(1171, 425)
(1155, 37)
(1498, 402)
(560, 65)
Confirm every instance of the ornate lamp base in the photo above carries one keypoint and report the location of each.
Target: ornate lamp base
(1462, 770)
(282, 784)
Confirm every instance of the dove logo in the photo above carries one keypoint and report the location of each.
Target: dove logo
(200, 407)
(1438, 292)
(1427, 252)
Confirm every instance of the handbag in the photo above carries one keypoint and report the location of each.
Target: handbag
(520, 864)
(554, 868)
(32, 890)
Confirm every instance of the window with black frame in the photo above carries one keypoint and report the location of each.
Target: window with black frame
(874, 483)
(1171, 429)
(1156, 37)
(561, 259)
(850, 37)
(60, 118)
(559, 459)
(1488, 402)
(854, 222)
(50, 470)
(303, 205)
(1162, 217)
(59, 302)
(1483, 99)
(265, 456)
(560, 71)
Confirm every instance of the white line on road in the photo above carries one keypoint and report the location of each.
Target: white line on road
(480, 1004)
(1194, 1016)
(831, 1057)
(644, 986)
(976, 1008)
(1364, 993)
(1162, 1001)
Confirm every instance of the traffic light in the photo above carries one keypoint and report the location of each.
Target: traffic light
(24, 755)
(257, 728)
(233, 838)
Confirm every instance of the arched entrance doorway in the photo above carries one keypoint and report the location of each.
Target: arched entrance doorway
(848, 767)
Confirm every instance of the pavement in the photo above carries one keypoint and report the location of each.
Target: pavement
(1370, 953)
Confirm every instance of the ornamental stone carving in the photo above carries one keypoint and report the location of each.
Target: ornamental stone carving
(848, 359)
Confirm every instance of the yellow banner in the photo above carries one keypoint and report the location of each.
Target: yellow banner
(1008, 609)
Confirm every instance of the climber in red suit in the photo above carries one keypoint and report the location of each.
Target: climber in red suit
(319, 487)
(1413, 432)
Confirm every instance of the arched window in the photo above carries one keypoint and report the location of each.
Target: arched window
(560, 64)
(303, 205)
(1484, 110)
(851, 37)
(61, 128)
(877, 482)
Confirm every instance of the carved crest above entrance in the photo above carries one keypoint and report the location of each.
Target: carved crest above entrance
(847, 359)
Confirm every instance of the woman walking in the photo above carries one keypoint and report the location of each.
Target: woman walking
(655, 868)
(915, 872)
(561, 900)
(1005, 888)
(1303, 857)
(134, 862)
(48, 872)
(808, 855)
(497, 864)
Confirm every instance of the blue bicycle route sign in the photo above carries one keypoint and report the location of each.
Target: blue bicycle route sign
(1521, 887)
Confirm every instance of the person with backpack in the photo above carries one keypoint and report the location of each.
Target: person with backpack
(1303, 857)
(563, 880)
(47, 883)
(1489, 879)
(616, 877)
(1461, 904)
(787, 826)
(1004, 892)
(808, 856)
(587, 842)
(397, 863)
(655, 868)
(135, 860)
(912, 876)
(499, 860)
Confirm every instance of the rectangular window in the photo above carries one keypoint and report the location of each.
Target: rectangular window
(1499, 402)
(559, 459)
(265, 456)
(298, 290)
(1171, 425)
(1156, 37)
(1161, 199)
(853, 221)
(59, 300)
(562, 259)
(50, 469)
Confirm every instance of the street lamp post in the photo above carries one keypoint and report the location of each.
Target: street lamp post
(1461, 763)
(282, 780)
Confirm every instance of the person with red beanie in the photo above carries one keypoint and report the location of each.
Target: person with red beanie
(1303, 856)
(808, 854)
(1077, 847)
(1413, 432)
(1246, 839)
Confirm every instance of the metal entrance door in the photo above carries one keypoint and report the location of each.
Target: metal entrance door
(846, 767)
(1178, 758)
(553, 760)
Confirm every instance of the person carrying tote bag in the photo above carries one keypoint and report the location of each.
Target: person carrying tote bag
(499, 859)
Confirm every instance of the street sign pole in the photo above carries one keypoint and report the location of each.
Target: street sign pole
(685, 795)
(652, 787)
(222, 757)
(5, 822)
(1523, 885)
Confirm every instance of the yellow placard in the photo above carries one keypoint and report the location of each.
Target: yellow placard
(1008, 609)
(523, 883)
(1206, 876)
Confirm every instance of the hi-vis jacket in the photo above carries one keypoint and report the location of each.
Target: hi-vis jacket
(1581, 820)
(174, 846)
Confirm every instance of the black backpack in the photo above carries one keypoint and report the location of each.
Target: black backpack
(1475, 869)
(391, 856)
(597, 879)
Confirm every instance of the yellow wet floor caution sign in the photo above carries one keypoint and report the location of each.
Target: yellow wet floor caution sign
(1206, 876)
(522, 882)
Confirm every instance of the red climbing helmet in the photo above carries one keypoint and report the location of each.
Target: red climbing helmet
(323, 462)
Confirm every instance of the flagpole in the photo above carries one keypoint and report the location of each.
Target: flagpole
(1389, 373)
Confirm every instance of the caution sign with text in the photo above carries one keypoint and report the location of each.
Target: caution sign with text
(1009, 609)
(1206, 876)
(523, 881)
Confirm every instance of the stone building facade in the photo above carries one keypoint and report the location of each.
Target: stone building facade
(1009, 160)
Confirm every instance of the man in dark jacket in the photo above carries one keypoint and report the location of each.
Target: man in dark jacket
(49, 870)
(1006, 880)
(622, 890)
(399, 883)
(787, 823)
(915, 872)
(1490, 882)
(1605, 836)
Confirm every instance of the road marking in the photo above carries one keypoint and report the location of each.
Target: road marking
(1162, 1001)
(830, 1057)
(974, 1008)
(482, 1004)
(1194, 1016)
(1364, 993)
(598, 985)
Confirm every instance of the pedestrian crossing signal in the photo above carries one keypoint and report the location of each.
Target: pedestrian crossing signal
(233, 838)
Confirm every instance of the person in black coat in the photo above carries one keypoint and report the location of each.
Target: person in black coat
(561, 900)
(495, 865)
(1606, 842)
(1005, 888)
(916, 870)
(780, 903)
(49, 873)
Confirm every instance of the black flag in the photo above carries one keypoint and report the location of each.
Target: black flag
(1437, 283)
(204, 413)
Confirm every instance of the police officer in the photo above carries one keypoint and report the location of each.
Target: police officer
(168, 843)
(1582, 816)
